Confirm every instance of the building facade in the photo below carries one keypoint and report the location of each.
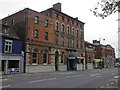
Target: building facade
(11, 60)
(68, 32)
(89, 54)
(104, 52)
(48, 37)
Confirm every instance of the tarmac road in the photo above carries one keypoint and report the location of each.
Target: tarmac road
(96, 78)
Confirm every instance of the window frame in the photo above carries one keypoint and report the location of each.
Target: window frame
(57, 26)
(46, 36)
(8, 45)
(35, 51)
(13, 22)
(35, 33)
(45, 52)
(56, 39)
(77, 43)
(68, 42)
(36, 20)
(5, 31)
(72, 43)
(57, 16)
(73, 31)
(62, 39)
(77, 32)
(63, 18)
(68, 30)
(46, 23)
(62, 27)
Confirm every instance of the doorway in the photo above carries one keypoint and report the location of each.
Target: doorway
(3, 66)
(56, 61)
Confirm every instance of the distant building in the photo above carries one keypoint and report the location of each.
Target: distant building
(89, 52)
(104, 52)
(11, 48)
(48, 37)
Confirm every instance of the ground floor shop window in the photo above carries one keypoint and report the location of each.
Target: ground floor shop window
(35, 56)
(10, 66)
(45, 57)
(13, 66)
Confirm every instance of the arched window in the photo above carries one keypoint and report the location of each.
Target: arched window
(62, 27)
(68, 29)
(57, 26)
(77, 32)
(72, 31)
(45, 56)
(35, 56)
(62, 57)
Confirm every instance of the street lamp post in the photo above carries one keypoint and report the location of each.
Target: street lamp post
(118, 34)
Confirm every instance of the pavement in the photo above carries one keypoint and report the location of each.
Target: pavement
(3, 77)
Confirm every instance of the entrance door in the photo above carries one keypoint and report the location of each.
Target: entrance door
(3, 66)
(71, 64)
(56, 61)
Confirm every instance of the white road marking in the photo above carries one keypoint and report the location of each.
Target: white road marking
(107, 84)
(52, 79)
(94, 74)
(112, 83)
(5, 86)
(73, 76)
(102, 86)
(41, 80)
(76, 76)
(98, 76)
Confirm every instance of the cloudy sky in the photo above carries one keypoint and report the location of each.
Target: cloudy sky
(95, 28)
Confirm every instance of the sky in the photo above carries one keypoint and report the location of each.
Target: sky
(95, 28)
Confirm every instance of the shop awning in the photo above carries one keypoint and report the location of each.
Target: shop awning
(73, 55)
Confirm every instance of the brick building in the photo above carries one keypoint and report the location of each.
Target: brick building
(47, 37)
(89, 54)
(105, 52)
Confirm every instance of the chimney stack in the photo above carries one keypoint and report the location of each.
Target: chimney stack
(95, 42)
(57, 6)
(76, 18)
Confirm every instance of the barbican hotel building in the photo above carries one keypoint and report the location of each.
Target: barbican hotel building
(48, 36)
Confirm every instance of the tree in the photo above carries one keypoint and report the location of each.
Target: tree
(105, 8)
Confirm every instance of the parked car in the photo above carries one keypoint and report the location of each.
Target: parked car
(117, 64)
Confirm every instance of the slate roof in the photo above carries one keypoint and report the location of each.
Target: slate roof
(10, 32)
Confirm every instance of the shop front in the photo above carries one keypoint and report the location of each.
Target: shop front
(72, 63)
(72, 60)
(11, 64)
(97, 63)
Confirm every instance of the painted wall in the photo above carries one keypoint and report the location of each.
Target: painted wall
(16, 46)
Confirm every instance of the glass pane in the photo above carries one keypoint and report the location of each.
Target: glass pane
(34, 61)
(6, 48)
(44, 58)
